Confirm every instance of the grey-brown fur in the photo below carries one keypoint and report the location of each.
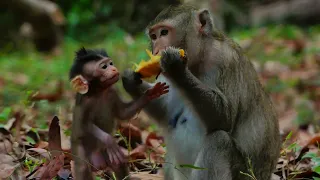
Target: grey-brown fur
(216, 114)
(96, 113)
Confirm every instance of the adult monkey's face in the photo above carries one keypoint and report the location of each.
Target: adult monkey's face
(162, 35)
(184, 27)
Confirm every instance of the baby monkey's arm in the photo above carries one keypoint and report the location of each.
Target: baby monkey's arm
(114, 152)
(126, 111)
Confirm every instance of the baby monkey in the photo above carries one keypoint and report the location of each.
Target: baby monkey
(97, 106)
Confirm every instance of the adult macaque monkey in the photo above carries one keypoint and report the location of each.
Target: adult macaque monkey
(97, 106)
(216, 115)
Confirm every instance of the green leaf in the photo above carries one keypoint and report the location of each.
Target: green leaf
(97, 178)
(316, 169)
(316, 159)
(67, 132)
(292, 146)
(309, 155)
(29, 92)
(289, 135)
(30, 140)
(4, 115)
(191, 166)
(152, 127)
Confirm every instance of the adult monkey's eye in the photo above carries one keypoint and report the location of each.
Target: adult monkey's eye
(153, 36)
(164, 32)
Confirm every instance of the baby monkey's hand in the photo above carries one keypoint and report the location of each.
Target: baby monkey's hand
(115, 155)
(157, 90)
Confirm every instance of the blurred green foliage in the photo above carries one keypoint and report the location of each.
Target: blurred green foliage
(26, 72)
(29, 71)
(87, 20)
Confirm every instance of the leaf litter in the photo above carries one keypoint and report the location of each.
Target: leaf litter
(288, 68)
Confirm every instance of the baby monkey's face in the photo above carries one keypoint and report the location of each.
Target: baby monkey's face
(103, 70)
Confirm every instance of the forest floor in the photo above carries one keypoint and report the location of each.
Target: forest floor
(36, 104)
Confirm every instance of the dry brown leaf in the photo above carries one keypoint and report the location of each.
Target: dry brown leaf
(7, 165)
(156, 144)
(53, 167)
(134, 132)
(138, 152)
(5, 145)
(54, 137)
(6, 170)
(53, 97)
(153, 136)
(9, 124)
(41, 152)
(144, 136)
(42, 145)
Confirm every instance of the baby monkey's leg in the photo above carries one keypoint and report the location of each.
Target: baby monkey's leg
(82, 168)
(101, 159)
(122, 172)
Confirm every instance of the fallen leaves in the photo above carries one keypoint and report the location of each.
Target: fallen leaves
(57, 95)
(289, 68)
(7, 165)
(147, 150)
(46, 160)
(54, 137)
(49, 170)
(55, 165)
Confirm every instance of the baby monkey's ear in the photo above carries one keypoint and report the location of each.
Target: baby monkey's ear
(80, 84)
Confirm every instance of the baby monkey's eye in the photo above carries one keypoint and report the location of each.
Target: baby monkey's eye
(164, 32)
(153, 36)
(111, 63)
(104, 66)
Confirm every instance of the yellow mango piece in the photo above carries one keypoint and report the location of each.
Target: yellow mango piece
(151, 68)
(181, 51)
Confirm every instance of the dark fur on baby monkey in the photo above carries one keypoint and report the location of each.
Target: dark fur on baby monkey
(97, 107)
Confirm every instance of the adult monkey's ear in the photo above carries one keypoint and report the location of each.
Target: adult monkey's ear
(205, 21)
(80, 84)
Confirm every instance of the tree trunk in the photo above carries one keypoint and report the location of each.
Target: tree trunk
(296, 11)
(46, 20)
